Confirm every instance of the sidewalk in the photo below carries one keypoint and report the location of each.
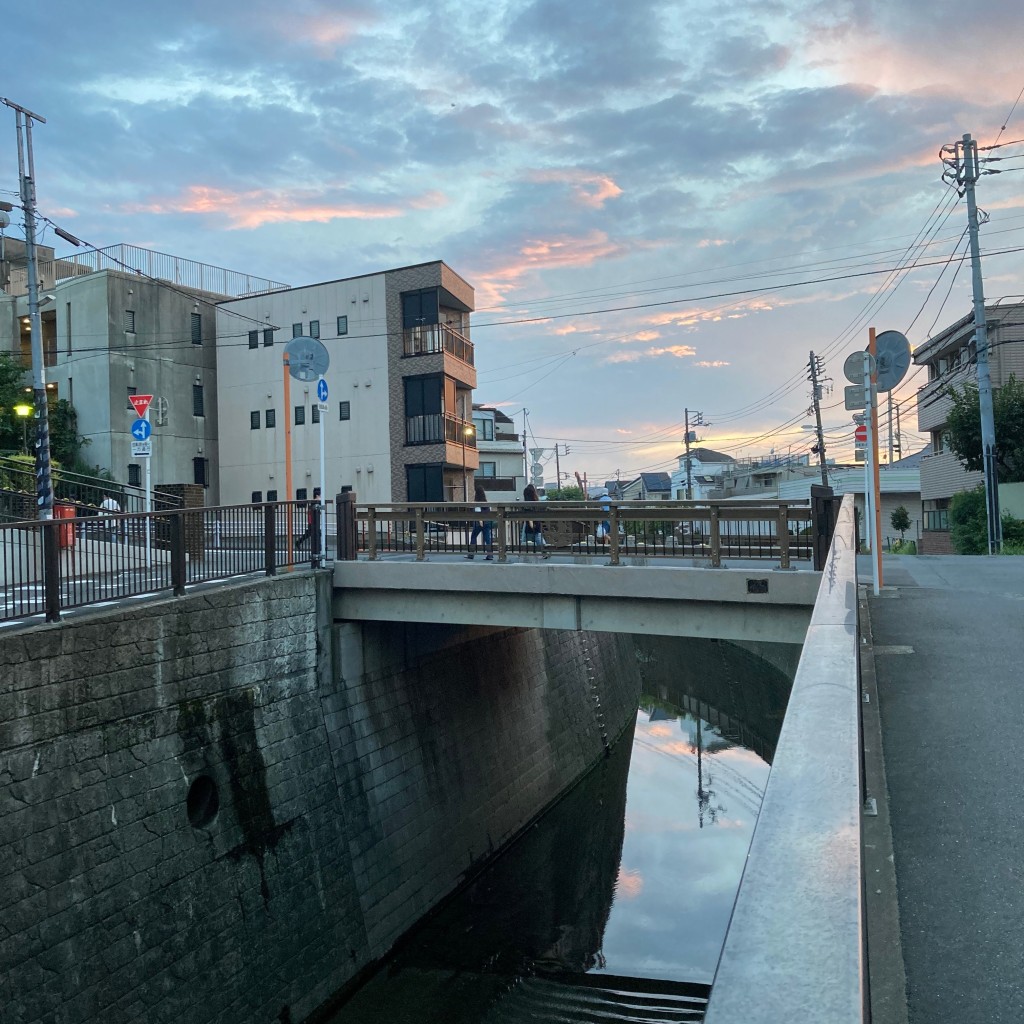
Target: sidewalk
(948, 653)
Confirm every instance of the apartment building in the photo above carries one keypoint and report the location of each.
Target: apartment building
(950, 358)
(123, 321)
(401, 378)
(500, 451)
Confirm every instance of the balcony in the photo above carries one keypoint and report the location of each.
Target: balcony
(436, 428)
(429, 339)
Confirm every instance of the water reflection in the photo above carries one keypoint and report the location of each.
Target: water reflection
(631, 875)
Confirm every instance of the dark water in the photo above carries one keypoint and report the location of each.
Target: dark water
(631, 876)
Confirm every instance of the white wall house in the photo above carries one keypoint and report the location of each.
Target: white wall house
(501, 454)
(706, 469)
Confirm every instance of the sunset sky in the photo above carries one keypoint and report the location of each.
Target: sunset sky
(661, 205)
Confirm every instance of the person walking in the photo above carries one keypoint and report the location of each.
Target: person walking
(481, 526)
(532, 529)
(309, 517)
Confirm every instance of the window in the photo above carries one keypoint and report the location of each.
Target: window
(484, 429)
(300, 494)
(315, 410)
(197, 400)
(201, 471)
(344, 410)
(300, 415)
(129, 321)
(271, 495)
(423, 396)
(314, 328)
(342, 325)
(424, 483)
(131, 391)
(296, 330)
(257, 497)
(270, 418)
(268, 337)
(488, 469)
(254, 339)
(197, 329)
(419, 308)
(134, 474)
(254, 420)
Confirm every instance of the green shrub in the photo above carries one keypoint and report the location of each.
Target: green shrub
(968, 525)
(904, 547)
(1013, 548)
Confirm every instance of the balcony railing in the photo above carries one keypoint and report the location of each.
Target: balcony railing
(436, 428)
(428, 339)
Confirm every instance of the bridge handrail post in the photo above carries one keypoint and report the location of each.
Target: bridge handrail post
(419, 536)
(502, 539)
(177, 525)
(51, 569)
(348, 546)
(716, 537)
(783, 531)
(270, 539)
(371, 533)
(613, 534)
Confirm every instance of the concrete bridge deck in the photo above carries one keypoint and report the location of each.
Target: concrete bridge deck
(749, 604)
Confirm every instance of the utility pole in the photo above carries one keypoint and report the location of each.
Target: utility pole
(526, 465)
(558, 467)
(891, 438)
(899, 435)
(698, 421)
(26, 176)
(815, 368)
(962, 167)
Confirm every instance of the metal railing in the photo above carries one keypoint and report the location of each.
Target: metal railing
(428, 339)
(46, 567)
(779, 531)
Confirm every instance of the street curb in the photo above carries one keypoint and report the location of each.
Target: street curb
(886, 972)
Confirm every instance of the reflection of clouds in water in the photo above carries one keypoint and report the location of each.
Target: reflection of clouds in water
(629, 884)
(658, 730)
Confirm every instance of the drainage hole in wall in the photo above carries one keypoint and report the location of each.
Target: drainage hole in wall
(202, 801)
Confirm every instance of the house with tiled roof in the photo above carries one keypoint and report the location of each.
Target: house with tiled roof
(648, 487)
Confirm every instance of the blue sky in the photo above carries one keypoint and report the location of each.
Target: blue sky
(656, 192)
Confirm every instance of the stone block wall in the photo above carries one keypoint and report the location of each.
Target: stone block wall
(220, 808)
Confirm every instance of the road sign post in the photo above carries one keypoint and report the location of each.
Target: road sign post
(142, 448)
(322, 392)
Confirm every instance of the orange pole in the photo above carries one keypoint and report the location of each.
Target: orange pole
(289, 493)
(877, 525)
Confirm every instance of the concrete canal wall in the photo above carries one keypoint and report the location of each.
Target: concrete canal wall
(222, 807)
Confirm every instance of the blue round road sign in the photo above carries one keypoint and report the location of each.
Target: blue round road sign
(141, 429)
(321, 390)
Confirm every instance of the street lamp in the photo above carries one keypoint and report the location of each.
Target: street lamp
(23, 412)
(467, 432)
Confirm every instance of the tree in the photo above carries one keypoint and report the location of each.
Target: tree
(565, 494)
(963, 426)
(968, 524)
(900, 520)
(13, 380)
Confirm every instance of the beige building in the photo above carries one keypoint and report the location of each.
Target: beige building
(950, 357)
(399, 424)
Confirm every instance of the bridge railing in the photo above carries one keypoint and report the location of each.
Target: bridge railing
(779, 531)
(46, 567)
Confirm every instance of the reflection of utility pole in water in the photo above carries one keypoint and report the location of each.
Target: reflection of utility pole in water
(704, 795)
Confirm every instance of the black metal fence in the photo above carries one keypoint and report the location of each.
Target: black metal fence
(64, 563)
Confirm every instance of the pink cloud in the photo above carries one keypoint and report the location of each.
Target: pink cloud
(628, 884)
(592, 190)
(712, 363)
(324, 34)
(633, 356)
(265, 206)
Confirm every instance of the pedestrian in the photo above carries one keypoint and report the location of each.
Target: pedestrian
(310, 507)
(109, 506)
(532, 529)
(604, 527)
(481, 526)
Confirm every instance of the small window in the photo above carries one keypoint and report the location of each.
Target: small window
(270, 418)
(344, 410)
(314, 328)
(129, 321)
(488, 469)
(268, 337)
(201, 472)
(257, 497)
(296, 330)
(300, 415)
(254, 339)
(131, 391)
(197, 329)
(342, 325)
(315, 417)
(300, 494)
(197, 400)
(271, 495)
(134, 474)
(254, 420)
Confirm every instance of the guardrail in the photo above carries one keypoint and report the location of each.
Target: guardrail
(46, 567)
(795, 948)
(781, 531)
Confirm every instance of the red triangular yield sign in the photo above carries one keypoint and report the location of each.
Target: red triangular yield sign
(141, 403)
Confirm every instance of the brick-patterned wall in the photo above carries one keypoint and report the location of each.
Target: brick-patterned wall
(935, 542)
(360, 777)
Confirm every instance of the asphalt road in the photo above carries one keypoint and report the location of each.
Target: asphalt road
(949, 659)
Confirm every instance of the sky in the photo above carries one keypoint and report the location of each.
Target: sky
(662, 206)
